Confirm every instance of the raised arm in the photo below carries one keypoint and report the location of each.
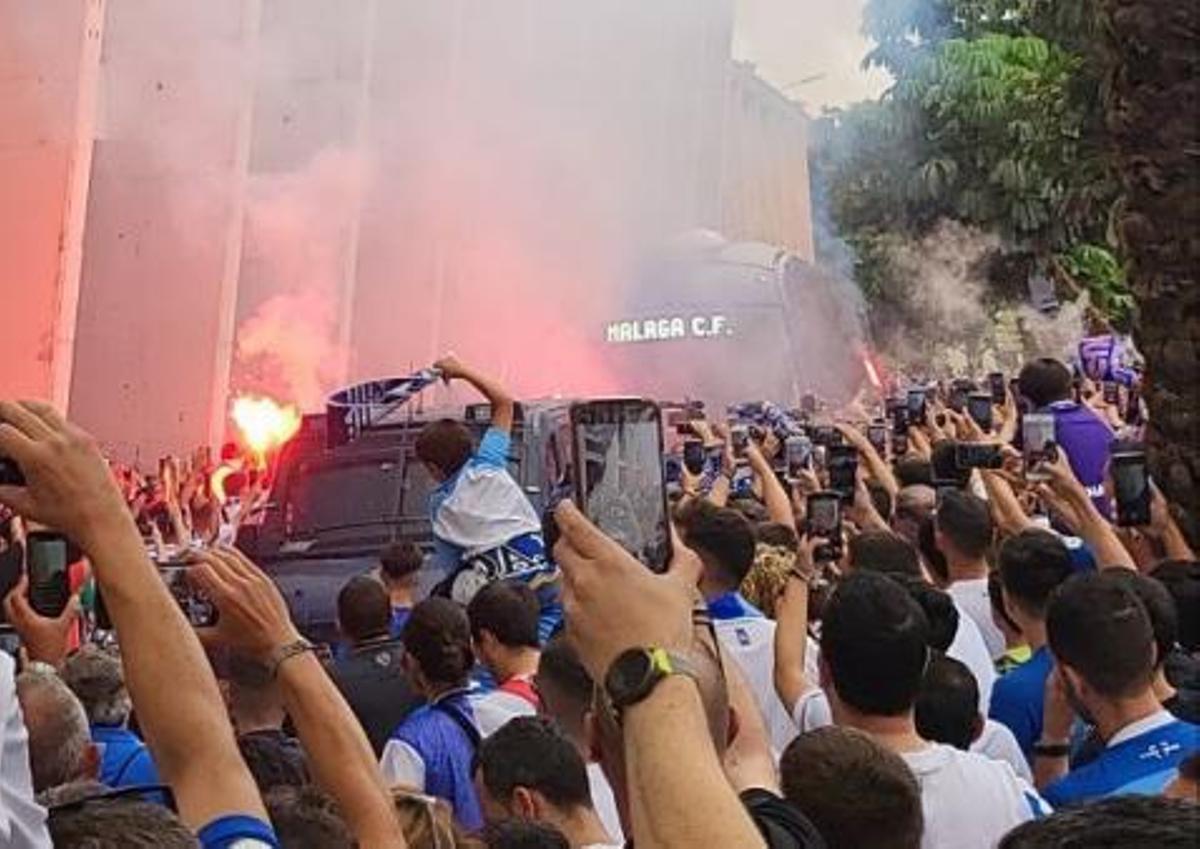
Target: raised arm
(774, 496)
(503, 406)
(179, 707)
(791, 630)
(679, 795)
(254, 619)
(877, 467)
(1093, 528)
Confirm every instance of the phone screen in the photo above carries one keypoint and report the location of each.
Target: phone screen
(798, 450)
(1037, 432)
(825, 521)
(877, 436)
(997, 385)
(970, 455)
(1131, 485)
(916, 406)
(10, 641)
(620, 486)
(824, 515)
(693, 456)
(49, 585)
(739, 435)
(843, 471)
(979, 408)
(197, 608)
(1112, 392)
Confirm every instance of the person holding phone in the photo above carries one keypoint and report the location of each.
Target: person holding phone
(484, 526)
(1079, 431)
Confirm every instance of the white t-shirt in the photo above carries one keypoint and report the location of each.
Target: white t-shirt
(750, 641)
(605, 803)
(812, 710)
(22, 820)
(997, 742)
(968, 648)
(972, 597)
(969, 801)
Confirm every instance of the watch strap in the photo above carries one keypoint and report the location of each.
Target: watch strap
(663, 664)
(1051, 750)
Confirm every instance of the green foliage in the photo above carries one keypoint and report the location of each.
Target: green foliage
(1097, 270)
(993, 121)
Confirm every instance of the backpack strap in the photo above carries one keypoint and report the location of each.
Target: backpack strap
(463, 722)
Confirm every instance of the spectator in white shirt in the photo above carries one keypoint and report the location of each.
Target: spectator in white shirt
(874, 649)
(566, 690)
(530, 770)
(22, 820)
(880, 551)
(947, 711)
(725, 543)
(964, 533)
(856, 792)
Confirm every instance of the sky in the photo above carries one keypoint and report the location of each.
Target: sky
(791, 40)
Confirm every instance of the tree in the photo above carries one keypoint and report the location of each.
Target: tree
(1151, 107)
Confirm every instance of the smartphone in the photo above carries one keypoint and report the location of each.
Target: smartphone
(49, 583)
(798, 452)
(979, 407)
(1131, 486)
(1037, 433)
(672, 469)
(824, 435)
(824, 510)
(808, 404)
(1133, 407)
(619, 479)
(197, 608)
(843, 471)
(971, 455)
(916, 406)
(998, 387)
(957, 399)
(693, 456)
(1112, 392)
(877, 436)
(739, 435)
(10, 473)
(899, 430)
(10, 641)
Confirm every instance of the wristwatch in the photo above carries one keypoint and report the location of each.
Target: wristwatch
(636, 672)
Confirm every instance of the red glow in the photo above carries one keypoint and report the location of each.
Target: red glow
(263, 423)
(872, 370)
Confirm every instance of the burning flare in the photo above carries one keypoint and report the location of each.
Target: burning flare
(264, 423)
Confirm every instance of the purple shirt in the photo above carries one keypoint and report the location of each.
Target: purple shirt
(1087, 440)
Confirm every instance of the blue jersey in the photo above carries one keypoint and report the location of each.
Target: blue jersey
(433, 749)
(1019, 696)
(481, 507)
(1143, 764)
(125, 760)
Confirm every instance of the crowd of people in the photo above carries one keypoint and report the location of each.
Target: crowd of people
(889, 625)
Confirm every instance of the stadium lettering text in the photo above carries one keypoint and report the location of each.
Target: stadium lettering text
(668, 328)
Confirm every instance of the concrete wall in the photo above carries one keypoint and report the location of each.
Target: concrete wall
(157, 235)
(765, 190)
(48, 53)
